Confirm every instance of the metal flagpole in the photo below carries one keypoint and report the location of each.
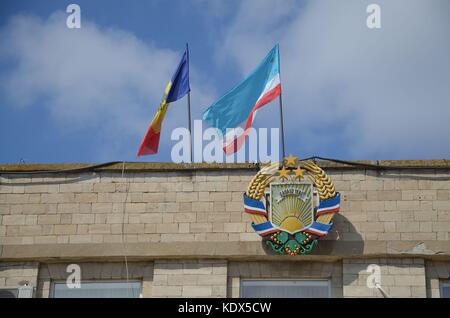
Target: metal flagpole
(189, 111)
(190, 130)
(281, 109)
(282, 126)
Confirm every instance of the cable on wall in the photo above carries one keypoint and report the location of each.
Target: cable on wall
(91, 168)
(75, 170)
(123, 227)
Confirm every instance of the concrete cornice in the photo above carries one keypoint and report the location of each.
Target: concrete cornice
(167, 167)
(327, 250)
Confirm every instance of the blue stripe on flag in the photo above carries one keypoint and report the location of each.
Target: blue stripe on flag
(235, 106)
(180, 80)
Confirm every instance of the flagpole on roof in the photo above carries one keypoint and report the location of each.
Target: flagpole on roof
(282, 126)
(190, 131)
(281, 109)
(189, 110)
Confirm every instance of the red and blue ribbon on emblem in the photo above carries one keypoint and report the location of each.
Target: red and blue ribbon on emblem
(253, 206)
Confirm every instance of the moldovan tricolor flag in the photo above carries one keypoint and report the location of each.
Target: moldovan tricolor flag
(242, 103)
(175, 89)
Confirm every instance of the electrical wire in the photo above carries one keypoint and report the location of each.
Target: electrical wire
(74, 170)
(369, 165)
(123, 228)
(92, 168)
(350, 163)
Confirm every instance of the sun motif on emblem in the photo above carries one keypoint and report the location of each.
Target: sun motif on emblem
(291, 205)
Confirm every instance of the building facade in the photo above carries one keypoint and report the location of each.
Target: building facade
(179, 230)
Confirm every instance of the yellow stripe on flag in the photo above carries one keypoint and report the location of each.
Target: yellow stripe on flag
(159, 117)
(162, 110)
(150, 143)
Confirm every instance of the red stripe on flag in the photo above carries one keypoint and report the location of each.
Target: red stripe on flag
(268, 97)
(150, 143)
(237, 143)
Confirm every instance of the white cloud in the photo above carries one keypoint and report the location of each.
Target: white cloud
(367, 94)
(348, 90)
(103, 80)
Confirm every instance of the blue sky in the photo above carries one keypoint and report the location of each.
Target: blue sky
(88, 95)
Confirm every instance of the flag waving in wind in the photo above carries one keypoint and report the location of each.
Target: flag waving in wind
(241, 104)
(177, 88)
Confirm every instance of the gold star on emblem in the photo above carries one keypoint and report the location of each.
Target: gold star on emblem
(299, 173)
(291, 160)
(283, 173)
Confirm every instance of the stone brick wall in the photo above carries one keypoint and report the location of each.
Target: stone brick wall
(207, 206)
(155, 207)
(190, 278)
(400, 277)
(14, 274)
(189, 225)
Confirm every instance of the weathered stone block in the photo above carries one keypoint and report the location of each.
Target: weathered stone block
(100, 229)
(49, 219)
(78, 218)
(65, 229)
(13, 220)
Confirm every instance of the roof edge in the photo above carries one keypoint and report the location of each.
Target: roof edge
(167, 166)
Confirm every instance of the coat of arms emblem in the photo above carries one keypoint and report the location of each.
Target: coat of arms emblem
(291, 205)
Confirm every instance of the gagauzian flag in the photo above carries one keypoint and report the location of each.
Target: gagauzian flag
(241, 104)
